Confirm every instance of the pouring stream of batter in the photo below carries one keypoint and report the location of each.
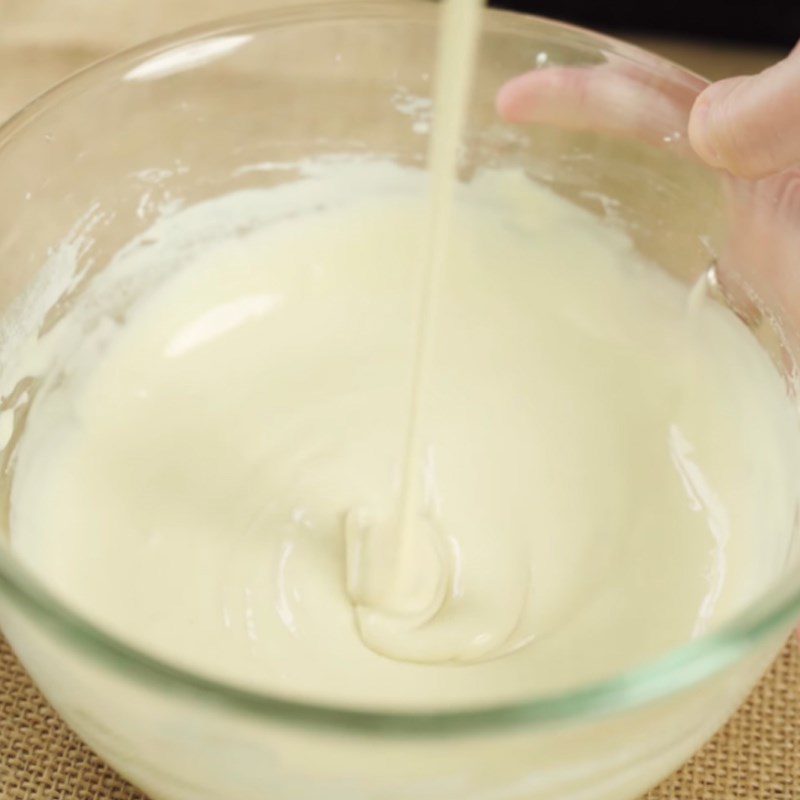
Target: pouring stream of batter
(399, 568)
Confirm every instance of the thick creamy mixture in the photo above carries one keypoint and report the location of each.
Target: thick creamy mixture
(605, 473)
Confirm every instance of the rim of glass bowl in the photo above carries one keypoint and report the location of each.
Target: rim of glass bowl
(678, 669)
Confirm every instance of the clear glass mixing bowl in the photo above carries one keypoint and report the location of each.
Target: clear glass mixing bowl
(98, 159)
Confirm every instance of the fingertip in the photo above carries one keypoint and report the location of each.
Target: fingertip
(512, 100)
(729, 128)
(700, 135)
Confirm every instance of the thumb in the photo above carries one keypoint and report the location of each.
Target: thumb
(751, 125)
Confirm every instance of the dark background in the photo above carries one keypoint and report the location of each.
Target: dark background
(770, 22)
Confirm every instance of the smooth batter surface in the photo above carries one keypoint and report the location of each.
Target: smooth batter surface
(594, 455)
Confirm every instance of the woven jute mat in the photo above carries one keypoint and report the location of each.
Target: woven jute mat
(755, 757)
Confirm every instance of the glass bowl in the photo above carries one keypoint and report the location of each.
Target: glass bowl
(97, 160)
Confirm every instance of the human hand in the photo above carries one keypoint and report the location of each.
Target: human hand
(749, 127)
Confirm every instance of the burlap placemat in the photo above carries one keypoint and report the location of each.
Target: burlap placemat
(756, 756)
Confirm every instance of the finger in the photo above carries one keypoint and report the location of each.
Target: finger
(758, 264)
(751, 125)
(610, 98)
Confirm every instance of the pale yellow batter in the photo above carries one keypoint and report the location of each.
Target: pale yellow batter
(618, 471)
